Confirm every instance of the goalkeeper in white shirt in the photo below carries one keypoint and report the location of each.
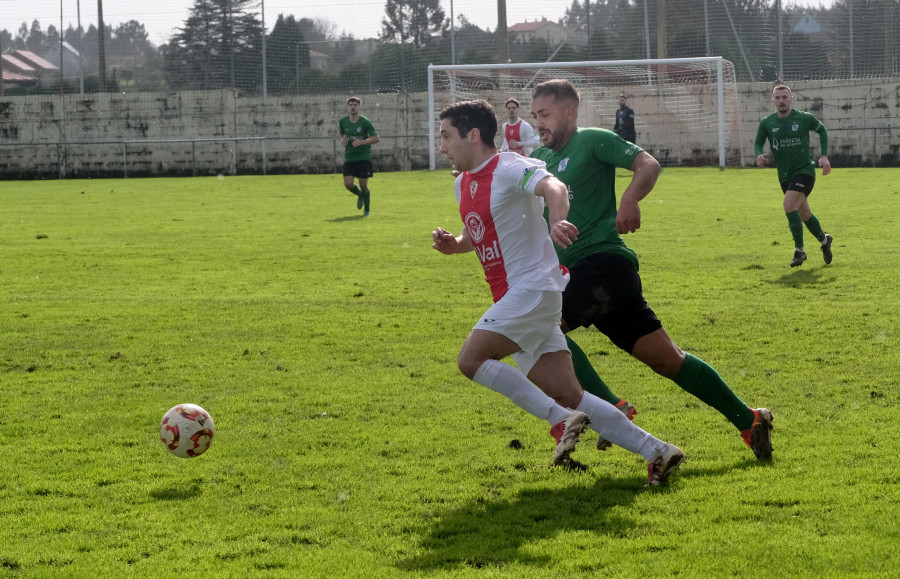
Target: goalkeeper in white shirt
(518, 136)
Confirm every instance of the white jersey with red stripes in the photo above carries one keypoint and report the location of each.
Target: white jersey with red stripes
(505, 221)
(523, 133)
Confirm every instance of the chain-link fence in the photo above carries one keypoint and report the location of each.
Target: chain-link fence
(220, 44)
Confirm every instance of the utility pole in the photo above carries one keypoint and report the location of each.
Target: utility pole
(101, 30)
(502, 39)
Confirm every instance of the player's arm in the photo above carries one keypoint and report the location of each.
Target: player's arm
(556, 196)
(448, 244)
(529, 137)
(823, 143)
(646, 171)
(758, 145)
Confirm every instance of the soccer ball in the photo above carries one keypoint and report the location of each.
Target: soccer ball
(187, 430)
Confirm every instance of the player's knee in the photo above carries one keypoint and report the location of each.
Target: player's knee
(468, 365)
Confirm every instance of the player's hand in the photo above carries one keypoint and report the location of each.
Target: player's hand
(563, 233)
(344, 141)
(443, 241)
(514, 144)
(628, 219)
(356, 143)
(761, 160)
(825, 164)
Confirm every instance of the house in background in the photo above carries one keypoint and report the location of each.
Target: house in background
(318, 60)
(553, 33)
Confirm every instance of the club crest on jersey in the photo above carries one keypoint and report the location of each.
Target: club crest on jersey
(562, 165)
(795, 127)
(358, 129)
(475, 226)
(473, 188)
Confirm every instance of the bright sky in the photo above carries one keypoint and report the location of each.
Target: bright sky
(362, 18)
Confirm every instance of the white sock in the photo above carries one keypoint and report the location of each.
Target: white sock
(609, 422)
(506, 380)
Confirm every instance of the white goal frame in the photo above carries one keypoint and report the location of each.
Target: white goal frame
(649, 80)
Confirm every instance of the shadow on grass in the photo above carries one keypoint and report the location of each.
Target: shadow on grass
(803, 277)
(491, 533)
(176, 494)
(347, 218)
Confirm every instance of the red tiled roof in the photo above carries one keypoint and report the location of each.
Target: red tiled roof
(16, 63)
(528, 26)
(12, 77)
(36, 60)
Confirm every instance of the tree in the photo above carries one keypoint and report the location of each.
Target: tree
(288, 53)
(218, 47)
(412, 21)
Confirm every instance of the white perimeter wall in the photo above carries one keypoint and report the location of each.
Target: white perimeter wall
(73, 136)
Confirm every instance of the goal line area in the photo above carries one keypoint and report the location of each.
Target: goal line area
(686, 109)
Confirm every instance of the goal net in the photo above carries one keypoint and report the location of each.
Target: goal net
(686, 109)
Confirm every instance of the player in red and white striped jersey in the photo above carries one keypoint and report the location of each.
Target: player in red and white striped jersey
(504, 225)
(518, 136)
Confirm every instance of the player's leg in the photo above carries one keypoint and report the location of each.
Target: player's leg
(496, 336)
(793, 199)
(630, 323)
(364, 186)
(814, 227)
(553, 373)
(349, 179)
(587, 376)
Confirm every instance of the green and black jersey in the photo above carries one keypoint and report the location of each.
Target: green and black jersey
(789, 139)
(361, 129)
(587, 165)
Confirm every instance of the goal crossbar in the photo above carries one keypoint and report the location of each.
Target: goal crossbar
(640, 72)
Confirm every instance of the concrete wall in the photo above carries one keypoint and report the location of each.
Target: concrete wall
(106, 135)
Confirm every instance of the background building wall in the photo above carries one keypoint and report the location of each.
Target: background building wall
(109, 135)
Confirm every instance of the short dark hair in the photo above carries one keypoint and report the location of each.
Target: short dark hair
(468, 115)
(559, 88)
(354, 100)
(511, 100)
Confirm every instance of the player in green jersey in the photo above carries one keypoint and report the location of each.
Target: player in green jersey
(788, 133)
(357, 135)
(605, 289)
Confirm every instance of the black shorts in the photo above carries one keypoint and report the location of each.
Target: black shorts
(358, 169)
(799, 182)
(605, 291)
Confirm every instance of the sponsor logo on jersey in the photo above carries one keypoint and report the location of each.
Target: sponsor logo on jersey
(562, 165)
(473, 188)
(488, 253)
(475, 226)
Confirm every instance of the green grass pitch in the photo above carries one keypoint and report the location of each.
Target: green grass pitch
(349, 445)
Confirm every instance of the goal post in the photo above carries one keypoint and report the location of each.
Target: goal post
(687, 111)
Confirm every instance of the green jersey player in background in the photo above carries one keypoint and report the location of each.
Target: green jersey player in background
(788, 133)
(357, 135)
(605, 289)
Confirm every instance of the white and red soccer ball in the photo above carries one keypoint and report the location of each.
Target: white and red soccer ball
(187, 430)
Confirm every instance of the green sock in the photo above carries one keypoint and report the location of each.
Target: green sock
(587, 376)
(796, 226)
(700, 379)
(813, 225)
(356, 190)
(366, 200)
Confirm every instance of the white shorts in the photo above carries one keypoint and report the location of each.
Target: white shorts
(530, 318)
